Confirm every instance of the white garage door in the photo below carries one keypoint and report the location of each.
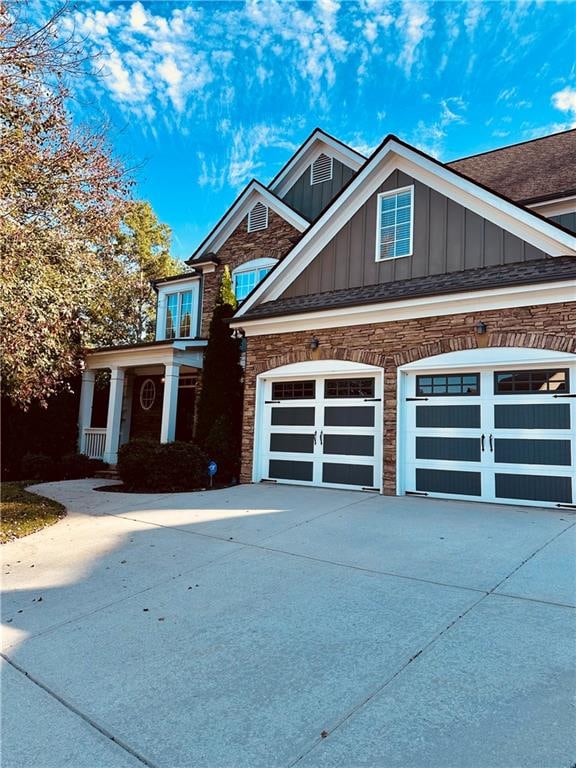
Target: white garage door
(500, 435)
(322, 430)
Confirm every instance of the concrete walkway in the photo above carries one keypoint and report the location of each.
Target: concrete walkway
(280, 626)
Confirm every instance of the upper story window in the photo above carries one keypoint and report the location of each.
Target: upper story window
(258, 218)
(394, 234)
(321, 169)
(247, 276)
(179, 315)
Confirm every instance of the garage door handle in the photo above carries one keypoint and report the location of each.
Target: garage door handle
(491, 443)
(315, 434)
(567, 395)
(321, 434)
(482, 442)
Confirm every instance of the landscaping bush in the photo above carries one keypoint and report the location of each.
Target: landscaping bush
(77, 465)
(39, 466)
(146, 465)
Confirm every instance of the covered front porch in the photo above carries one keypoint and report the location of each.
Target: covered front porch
(152, 394)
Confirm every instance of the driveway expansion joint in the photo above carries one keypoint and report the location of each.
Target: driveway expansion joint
(86, 718)
(427, 646)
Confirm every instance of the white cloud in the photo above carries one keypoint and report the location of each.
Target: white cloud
(414, 24)
(565, 101)
(138, 17)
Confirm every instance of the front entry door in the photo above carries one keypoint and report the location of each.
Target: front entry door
(505, 436)
(324, 431)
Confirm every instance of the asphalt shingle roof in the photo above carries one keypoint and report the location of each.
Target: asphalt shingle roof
(521, 273)
(534, 170)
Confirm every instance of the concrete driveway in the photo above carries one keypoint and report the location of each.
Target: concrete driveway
(279, 626)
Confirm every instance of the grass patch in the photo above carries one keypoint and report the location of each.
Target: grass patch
(23, 512)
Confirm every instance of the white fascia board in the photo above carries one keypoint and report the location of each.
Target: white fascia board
(179, 282)
(394, 156)
(253, 193)
(469, 302)
(555, 207)
(317, 143)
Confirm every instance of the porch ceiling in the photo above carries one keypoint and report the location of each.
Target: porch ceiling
(180, 352)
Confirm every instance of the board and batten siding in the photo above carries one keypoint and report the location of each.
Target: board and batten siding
(447, 238)
(309, 199)
(567, 220)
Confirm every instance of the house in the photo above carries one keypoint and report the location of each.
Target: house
(410, 325)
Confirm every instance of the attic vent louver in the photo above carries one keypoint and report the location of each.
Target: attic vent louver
(321, 169)
(258, 218)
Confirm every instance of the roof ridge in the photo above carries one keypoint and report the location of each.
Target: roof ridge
(509, 146)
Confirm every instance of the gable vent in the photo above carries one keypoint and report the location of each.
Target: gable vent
(258, 218)
(321, 169)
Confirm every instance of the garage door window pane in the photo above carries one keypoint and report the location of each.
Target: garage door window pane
(452, 384)
(293, 390)
(539, 382)
(349, 388)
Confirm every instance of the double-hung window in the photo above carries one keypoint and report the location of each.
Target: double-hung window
(395, 224)
(179, 307)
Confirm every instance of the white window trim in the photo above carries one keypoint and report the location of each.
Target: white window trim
(252, 266)
(193, 312)
(265, 226)
(380, 197)
(153, 400)
(330, 177)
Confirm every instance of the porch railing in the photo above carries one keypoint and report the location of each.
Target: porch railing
(94, 442)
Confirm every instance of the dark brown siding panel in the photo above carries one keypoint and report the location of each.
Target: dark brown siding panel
(309, 199)
(447, 238)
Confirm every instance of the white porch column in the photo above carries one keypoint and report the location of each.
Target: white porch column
(85, 411)
(114, 419)
(170, 403)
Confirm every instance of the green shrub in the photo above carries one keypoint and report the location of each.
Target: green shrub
(39, 466)
(77, 465)
(146, 465)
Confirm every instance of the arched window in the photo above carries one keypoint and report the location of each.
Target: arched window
(247, 276)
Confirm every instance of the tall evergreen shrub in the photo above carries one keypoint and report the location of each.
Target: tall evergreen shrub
(219, 423)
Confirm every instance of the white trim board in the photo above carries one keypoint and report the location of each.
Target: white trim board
(317, 143)
(395, 156)
(554, 207)
(471, 302)
(254, 192)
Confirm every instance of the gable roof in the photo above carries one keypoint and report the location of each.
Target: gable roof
(528, 172)
(481, 278)
(391, 154)
(252, 193)
(319, 141)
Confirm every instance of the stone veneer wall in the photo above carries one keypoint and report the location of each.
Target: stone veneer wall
(390, 345)
(243, 246)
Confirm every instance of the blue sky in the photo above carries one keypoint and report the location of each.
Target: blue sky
(202, 96)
